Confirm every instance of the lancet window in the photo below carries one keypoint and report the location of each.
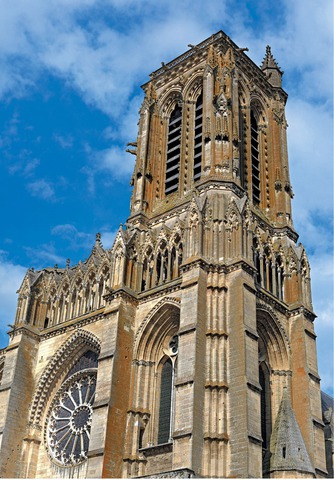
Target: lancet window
(198, 138)
(279, 278)
(173, 151)
(147, 270)
(2, 364)
(255, 156)
(70, 301)
(166, 394)
(269, 270)
(265, 407)
(256, 259)
(163, 265)
(176, 259)
(165, 401)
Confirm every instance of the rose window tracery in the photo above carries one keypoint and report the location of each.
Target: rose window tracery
(70, 417)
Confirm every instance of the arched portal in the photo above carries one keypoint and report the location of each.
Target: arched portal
(151, 416)
(274, 373)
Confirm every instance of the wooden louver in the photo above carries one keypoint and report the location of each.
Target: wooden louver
(255, 160)
(173, 151)
(198, 138)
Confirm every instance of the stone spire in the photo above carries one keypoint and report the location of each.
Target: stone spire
(287, 447)
(271, 69)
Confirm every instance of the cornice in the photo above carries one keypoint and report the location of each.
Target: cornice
(122, 292)
(23, 329)
(241, 264)
(272, 301)
(216, 182)
(72, 325)
(302, 310)
(192, 53)
(152, 293)
(198, 54)
(154, 450)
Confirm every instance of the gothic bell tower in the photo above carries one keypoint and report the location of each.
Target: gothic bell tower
(211, 228)
(195, 331)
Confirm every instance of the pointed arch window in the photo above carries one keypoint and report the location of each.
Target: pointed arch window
(173, 151)
(256, 259)
(198, 138)
(255, 156)
(2, 365)
(279, 276)
(266, 419)
(166, 399)
(165, 402)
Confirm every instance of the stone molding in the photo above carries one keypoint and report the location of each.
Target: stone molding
(156, 292)
(267, 309)
(73, 324)
(165, 301)
(55, 367)
(179, 473)
(271, 302)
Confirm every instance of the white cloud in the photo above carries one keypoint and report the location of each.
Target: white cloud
(41, 189)
(78, 240)
(65, 141)
(95, 58)
(308, 45)
(11, 277)
(107, 238)
(44, 254)
(310, 139)
(115, 160)
(73, 236)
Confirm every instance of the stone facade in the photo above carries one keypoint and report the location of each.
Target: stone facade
(188, 349)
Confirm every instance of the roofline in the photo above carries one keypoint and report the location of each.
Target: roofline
(205, 43)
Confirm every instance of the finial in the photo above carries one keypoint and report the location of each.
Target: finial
(68, 261)
(269, 61)
(56, 266)
(98, 238)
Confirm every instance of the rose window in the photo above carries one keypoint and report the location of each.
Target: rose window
(70, 417)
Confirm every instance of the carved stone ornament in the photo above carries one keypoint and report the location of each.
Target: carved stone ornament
(221, 104)
(182, 473)
(278, 186)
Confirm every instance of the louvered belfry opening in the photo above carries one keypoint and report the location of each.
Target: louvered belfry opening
(173, 151)
(255, 160)
(165, 402)
(198, 138)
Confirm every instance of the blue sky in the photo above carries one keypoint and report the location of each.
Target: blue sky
(70, 92)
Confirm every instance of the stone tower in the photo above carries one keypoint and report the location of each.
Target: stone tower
(188, 349)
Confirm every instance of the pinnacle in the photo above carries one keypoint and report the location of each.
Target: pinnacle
(269, 61)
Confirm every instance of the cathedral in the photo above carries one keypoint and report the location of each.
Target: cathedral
(187, 349)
